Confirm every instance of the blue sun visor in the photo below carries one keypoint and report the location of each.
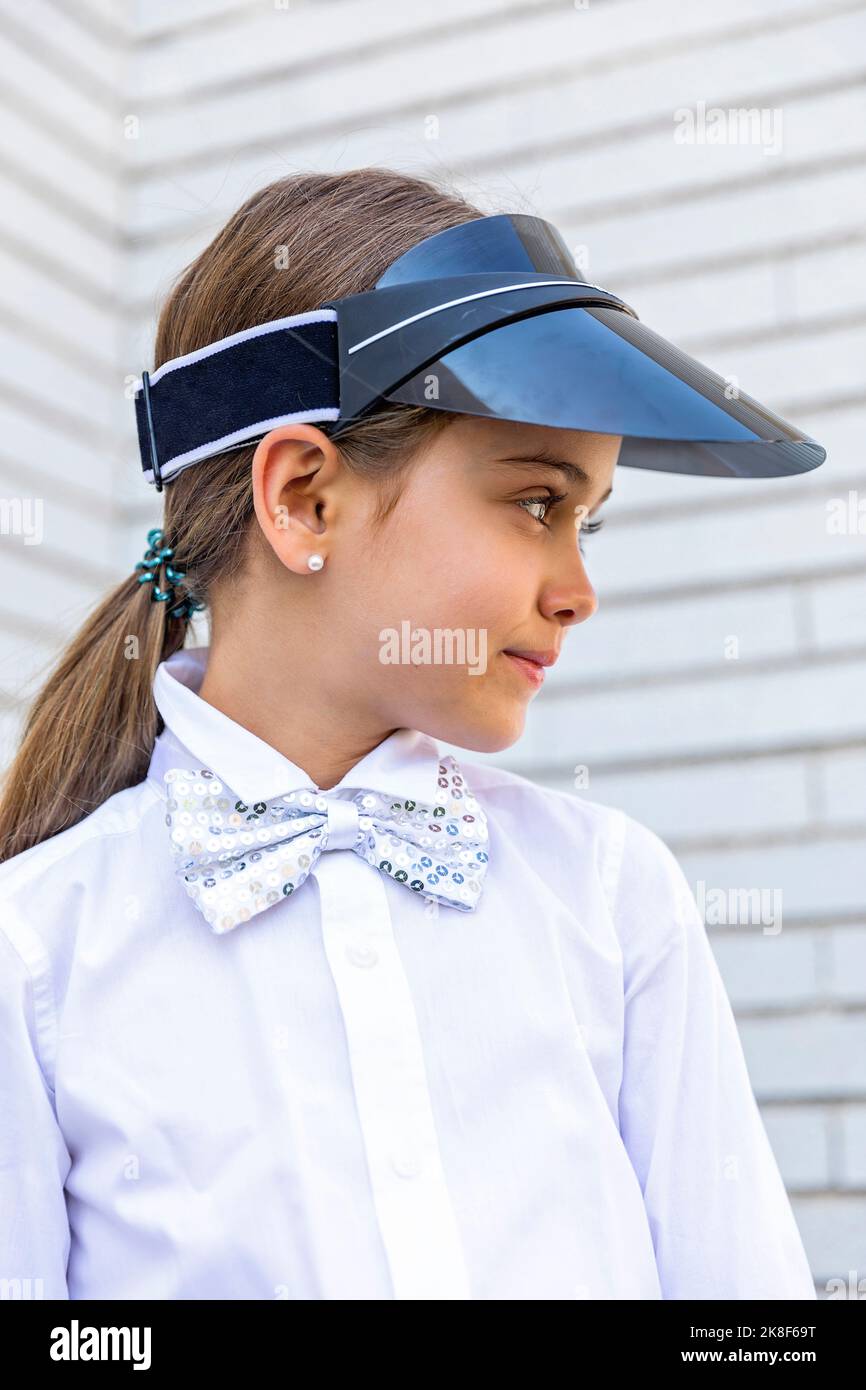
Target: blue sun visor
(491, 318)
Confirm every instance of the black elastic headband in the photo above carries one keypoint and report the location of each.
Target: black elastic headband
(235, 390)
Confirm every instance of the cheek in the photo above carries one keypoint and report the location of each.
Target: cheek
(458, 586)
(438, 567)
(425, 561)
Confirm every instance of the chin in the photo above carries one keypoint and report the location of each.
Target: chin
(479, 733)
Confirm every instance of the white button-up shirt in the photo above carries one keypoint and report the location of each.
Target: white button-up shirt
(360, 1094)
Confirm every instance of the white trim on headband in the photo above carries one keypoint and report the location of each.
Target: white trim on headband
(240, 437)
(465, 299)
(295, 321)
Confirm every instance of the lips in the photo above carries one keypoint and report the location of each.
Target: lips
(540, 658)
(531, 664)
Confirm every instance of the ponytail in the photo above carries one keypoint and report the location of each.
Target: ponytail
(91, 729)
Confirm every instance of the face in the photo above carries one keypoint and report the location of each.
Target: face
(482, 557)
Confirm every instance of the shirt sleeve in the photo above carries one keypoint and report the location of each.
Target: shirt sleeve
(721, 1221)
(34, 1160)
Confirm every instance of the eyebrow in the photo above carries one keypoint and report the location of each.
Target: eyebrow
(572, 471)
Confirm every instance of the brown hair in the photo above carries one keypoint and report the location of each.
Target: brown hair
(90, 730)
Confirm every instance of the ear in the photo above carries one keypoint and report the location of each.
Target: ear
(294, 470)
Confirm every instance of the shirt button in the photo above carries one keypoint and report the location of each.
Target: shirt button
(361, 955)
(406, 1163)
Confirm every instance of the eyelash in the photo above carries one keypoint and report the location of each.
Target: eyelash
(551, 501)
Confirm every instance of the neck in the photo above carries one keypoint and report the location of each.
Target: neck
(316, 730)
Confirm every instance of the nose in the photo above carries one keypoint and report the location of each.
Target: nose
(570, 599)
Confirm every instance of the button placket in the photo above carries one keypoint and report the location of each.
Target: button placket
(361, 954)
(416, 1219)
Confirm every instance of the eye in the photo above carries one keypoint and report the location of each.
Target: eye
(588, 528)
(548, 502)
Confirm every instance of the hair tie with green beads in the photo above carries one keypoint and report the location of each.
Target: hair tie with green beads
(158, 554)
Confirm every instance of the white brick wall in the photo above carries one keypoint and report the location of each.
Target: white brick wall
(754, 768)
(61, 257)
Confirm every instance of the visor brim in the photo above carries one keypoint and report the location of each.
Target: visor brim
(601, 370)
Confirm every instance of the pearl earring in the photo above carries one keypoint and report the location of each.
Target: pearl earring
(315, 562)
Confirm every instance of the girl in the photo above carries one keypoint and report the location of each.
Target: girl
(424, 1030)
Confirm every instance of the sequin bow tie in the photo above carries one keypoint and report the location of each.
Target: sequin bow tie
(235, 859)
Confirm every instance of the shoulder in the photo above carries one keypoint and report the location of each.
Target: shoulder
(568, 832)
(119, 816)
(646, 889)
(45, 889)
(46, 892)
(509, 794)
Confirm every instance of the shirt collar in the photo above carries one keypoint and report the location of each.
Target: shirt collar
(405, 764)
